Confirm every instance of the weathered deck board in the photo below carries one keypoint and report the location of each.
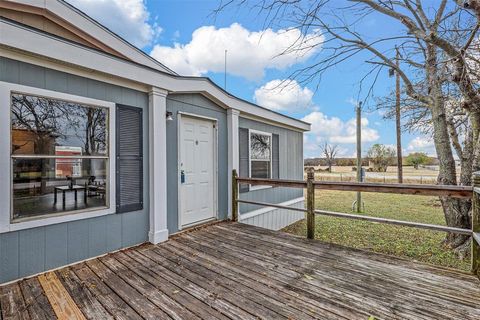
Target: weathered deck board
(361, 270)
(357, 283)
(186, 296)
(85, 300)
(13, 303)
(58, 297)
(235, 271)
(35, 300)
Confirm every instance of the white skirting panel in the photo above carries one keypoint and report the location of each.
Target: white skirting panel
(274, 218)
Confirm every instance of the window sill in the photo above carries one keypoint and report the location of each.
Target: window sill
(29, 223)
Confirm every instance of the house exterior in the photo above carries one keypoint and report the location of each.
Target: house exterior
(103, 147)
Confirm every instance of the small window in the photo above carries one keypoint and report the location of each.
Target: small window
(60, 154)
(260, 155)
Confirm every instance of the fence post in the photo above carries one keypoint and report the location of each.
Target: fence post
(234, 196)
(310, 204)
(476, 223)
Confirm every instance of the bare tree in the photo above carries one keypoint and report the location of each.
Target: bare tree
(330, 153)
(436, 57)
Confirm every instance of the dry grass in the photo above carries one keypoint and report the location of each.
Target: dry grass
(411, 243)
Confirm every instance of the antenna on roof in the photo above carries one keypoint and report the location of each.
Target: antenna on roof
(225, 72)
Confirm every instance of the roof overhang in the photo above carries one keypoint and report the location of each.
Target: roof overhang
(58, 52)
(71, 18)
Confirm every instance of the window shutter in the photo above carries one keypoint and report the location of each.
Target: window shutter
(275, 157)
(244, 153)
(129, 158)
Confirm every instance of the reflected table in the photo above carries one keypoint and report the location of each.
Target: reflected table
(74, 189)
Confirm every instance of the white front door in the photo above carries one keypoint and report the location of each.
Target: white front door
(197, 170)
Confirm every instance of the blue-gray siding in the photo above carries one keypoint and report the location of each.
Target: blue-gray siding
(291, 165)
(276, 219)
(199, 105)
(31, 251)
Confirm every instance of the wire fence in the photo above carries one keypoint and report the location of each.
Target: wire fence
(375, 177)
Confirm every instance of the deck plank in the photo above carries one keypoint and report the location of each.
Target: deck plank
(35, 299)
(430, 276)
(266, 286)
(326, 294)
(308, 259)
(332, 273)
(459, 277)
(166, 282)
(145, 308)
(234, 271)
(59, 298)
(90, 306)
(255, 303)
(162, 301)
(449, 286)
(168, 286)
(115, 305)
(204, 286)
(248, 288)
(13, 303)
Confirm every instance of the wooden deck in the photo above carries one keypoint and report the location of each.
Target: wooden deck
(235, 271)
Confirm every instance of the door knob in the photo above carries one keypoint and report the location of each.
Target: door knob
(182, 176)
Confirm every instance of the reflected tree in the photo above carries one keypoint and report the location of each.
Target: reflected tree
(260, 146)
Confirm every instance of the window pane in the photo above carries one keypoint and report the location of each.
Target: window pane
(45, 126)
(260, 146)
(36, 180)
(260, 169)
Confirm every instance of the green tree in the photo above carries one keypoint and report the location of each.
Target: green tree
(381, 156)
(417, 158)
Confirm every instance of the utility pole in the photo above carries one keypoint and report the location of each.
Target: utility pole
(359, 154)
(397, 116)
(225, 72)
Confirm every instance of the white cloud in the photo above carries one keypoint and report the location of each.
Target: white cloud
(127, 18)
(422, 144)
(283, 95)
(250, 53)
(335, 131)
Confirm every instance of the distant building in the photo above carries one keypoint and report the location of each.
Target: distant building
(68, 167)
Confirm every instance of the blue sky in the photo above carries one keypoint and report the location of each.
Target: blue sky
(185, 36)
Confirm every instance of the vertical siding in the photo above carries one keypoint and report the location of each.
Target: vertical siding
(199, 105)
(30, 251)
(291, 165)
(276, 219)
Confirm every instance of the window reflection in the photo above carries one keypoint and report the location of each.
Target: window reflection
(260, 155)
(260, 146)
(59, 156)
(35, 182)
(41, 124)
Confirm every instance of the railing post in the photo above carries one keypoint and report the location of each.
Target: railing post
(234, 196)
(476, 224)
(310, 204)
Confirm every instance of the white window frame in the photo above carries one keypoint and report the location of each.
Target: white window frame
(250, 131)
(6, 164)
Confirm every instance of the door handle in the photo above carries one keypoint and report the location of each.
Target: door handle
(182, 176)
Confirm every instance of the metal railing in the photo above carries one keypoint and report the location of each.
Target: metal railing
(426, 190)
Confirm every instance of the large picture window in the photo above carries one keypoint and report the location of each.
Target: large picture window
(59, 155)
(260, 155)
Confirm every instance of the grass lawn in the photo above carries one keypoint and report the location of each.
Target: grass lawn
(411, 243)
